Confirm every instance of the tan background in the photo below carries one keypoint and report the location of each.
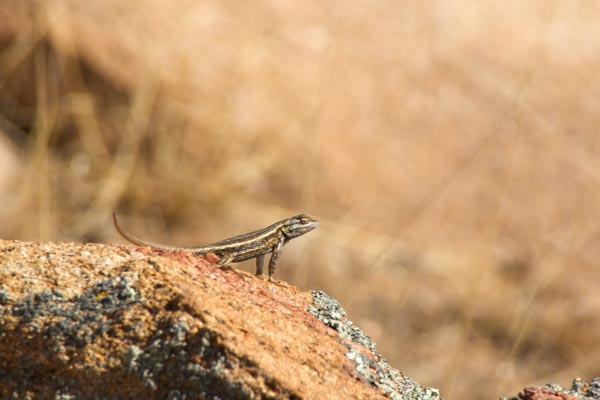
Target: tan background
(449, 149)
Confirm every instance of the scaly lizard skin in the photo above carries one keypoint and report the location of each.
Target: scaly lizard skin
(256, 244)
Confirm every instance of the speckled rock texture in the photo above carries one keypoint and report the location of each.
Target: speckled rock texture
(107, 321)
(579, 391)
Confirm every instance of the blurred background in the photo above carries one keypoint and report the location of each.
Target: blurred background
(449, 149)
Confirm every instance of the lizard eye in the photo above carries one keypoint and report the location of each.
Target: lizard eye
(304, 221)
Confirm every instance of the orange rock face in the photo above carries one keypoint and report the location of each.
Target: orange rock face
(90, 320)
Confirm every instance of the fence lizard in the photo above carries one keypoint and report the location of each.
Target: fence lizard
(256, 244)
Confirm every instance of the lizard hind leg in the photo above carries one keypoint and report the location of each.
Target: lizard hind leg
(225, 261)
(225, 264)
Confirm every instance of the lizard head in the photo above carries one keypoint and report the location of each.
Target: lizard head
(298, 225)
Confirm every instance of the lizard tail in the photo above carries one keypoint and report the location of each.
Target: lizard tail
(138, 241)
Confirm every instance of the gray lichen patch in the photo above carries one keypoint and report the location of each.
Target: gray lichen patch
(78, 320)
(4, 297)
(185, 361)
(579, 390)
(196, 363)
(369, 364)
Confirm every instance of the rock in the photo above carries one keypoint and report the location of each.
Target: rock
(579, 391)
(107, 321)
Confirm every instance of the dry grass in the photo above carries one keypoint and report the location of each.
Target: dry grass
(450, 153)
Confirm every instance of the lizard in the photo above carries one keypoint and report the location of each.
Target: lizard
(256, 244)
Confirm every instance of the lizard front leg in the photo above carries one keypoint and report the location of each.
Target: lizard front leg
(276, 252)
(260, 262)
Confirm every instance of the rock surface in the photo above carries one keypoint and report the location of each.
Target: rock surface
(579, 391)
(107, 321)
